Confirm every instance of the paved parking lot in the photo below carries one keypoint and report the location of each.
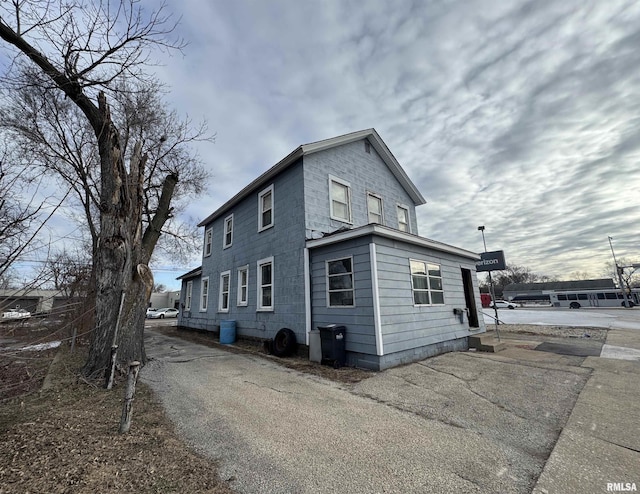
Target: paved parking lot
(460, 422)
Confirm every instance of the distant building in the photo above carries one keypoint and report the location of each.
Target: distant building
(539, 291)
(34, 301)
(165, 299)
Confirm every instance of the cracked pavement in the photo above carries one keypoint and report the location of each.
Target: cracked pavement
(460, 422)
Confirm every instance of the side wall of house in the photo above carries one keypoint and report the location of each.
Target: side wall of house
(365, 172)
(406, 326)
(284, 242)
(359, 320)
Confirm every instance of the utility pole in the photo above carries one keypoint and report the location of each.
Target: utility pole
(619, 272)
(493, 292)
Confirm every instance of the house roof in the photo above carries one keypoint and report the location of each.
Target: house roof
(393, 234)
(306, 149)
(604, 283)
(191, 274)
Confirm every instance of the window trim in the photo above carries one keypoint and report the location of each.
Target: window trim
(260, 286)
(188, 295)
(349, 209)
(204, 297)
(208, 241)
(353, 283)
(261, 226)
(227, 220)
(379, 197)
(406, 208)
(221, 293)
(239, 301)
(429, 290)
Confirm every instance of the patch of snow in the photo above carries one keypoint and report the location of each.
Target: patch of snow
(42, 346)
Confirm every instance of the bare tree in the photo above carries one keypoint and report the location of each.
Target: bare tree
(24, 211)
(630, 275)
(83, 49)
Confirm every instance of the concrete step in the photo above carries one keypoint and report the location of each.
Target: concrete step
(486, 343)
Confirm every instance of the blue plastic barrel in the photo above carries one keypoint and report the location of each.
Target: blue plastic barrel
(227, 332)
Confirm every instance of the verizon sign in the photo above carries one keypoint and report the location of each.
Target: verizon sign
(491, 261)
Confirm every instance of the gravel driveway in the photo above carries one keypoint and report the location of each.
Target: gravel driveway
(460, 422)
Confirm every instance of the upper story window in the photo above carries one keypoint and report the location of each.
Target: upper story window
(228, 232)
(265, 209)
(225, 286)
(426, 281)
(340, 199)
(208, 240)
(340, 283)
(243, 286)
(265, 284)
(403, 219)
(204, 294)
(187, 297)
(374, 207)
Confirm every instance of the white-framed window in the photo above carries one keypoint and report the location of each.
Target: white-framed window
(187, 296)
(374, 208)
(404, 223)
(265, 209)
(208, 241)
(340, 291)
(227, 238)
(426, 282)
(339, 199)
(204, 294)
(225, 288)
(265, 284)
(243, 285)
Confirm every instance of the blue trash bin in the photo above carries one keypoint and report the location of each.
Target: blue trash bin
(227, 332)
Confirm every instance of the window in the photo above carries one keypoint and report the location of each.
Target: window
(426, 280)
(403, 219)
(340, 199)
(228, 232)
(187, 297)
(562, 297)
(208, 239)
(243, 284)
(572, 296)
(374, 206)
(582, 296)
(223, 300)
(265, 209)
(204, 294)
(340, 283)
(600, 296)
(265, 284)
(610, 296)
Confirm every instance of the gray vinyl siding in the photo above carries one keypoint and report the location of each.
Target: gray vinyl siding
(284, 242)
(359, 320)
(365, 172)
(406, 326)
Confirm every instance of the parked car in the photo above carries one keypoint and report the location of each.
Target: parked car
(151, 310)
(503, 304)
(162, 313)
(16, 314)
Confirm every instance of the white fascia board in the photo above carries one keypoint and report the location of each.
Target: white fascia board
(392, 234)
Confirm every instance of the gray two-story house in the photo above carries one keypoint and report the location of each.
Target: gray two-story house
(329, 236)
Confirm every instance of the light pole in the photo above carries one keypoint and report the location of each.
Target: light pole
(619, 272)
(493, 292)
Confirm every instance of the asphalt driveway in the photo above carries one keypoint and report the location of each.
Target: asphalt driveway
(460, 422)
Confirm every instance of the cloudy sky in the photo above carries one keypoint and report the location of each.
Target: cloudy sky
(520, 116)
(523, 116)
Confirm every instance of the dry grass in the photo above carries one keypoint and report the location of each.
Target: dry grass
(66, 440)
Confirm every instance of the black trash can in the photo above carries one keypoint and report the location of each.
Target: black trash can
(332, 341)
